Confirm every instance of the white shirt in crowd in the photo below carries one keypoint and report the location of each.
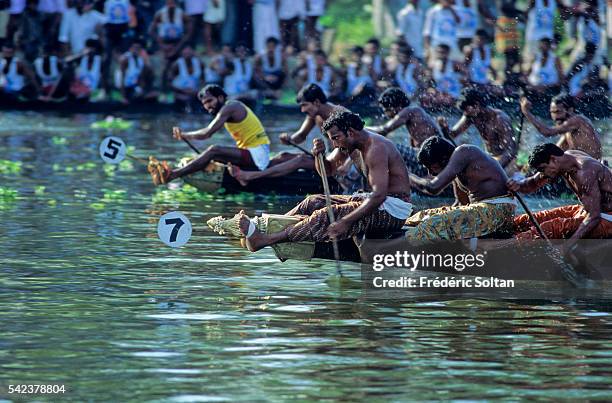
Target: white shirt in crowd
(265, 24)
(468, 19)
(441, 27)
(17, 6)
(52, 6)
(410, 25)
(195, 7)
(77, 29)
(290, 9)
(215, 14)
(315, 8)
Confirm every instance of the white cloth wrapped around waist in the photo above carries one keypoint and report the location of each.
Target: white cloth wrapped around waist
(607, 217)
(398, 208)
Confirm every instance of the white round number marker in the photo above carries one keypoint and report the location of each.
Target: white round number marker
(112, 150)
(174, 229)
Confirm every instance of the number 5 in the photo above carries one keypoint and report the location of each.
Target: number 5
(178, 223)
(112, 146)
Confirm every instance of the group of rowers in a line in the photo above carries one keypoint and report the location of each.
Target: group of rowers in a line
(485, 202)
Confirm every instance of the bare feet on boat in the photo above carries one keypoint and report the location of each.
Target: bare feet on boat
(255, 241)
(160, 171)
(241, 176)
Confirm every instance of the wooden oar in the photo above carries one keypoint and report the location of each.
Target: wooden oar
(194, 148)
(302, 149)
(144, 161)
(568, 271)
(330, 212)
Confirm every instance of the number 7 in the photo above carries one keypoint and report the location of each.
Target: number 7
(178, 223)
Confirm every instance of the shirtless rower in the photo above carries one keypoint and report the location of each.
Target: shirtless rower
(396, 106)
(590, 180)
(577, 130)
(483, 205)
(493, 125)
(252, 149)
(313, 103)
(384, 210)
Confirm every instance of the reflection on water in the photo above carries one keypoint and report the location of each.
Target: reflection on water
(92, 299)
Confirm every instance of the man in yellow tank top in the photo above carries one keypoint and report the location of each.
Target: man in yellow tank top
(252, 149)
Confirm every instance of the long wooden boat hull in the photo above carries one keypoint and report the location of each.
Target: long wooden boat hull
(298, 183)
(504, 259)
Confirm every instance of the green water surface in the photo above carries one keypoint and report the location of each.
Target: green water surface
(93, 300)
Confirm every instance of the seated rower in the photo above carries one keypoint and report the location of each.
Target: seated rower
(396, 106)
(483, 205)
(382, 211)
(313, 102)
(53, 74)
(493, 125)
(577, 130)
(134, 77)
(252, 149)
(16, 77)
(590, 180)
(186, 75)
(545, 75)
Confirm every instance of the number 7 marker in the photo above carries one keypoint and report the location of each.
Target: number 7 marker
(174, 229)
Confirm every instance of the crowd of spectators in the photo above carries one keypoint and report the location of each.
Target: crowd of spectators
(165, 50)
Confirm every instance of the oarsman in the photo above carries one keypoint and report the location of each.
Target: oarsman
(493, 125)
(252, 149)
(590, 180)
(314, 104)
(383, 210)
(577, 130)
(483, 205)
(396, 106)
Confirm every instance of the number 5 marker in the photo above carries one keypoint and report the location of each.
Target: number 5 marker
(112, 150)
(174, 229)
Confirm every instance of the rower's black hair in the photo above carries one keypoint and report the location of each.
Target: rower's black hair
(343, 120)
(212, 89)
(564, 99)
(357, 49)
(407, 51)
(374, 41)
(139, 40)
(470, 97)
(482, 33)
(435, 150)
(394, 97)
(311, 93)
(546, 40)
(320, 52)
(444, 46)
(94, 44)
(542, 152)
(272, 39)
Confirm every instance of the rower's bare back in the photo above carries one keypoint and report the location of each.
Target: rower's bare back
(483, 177)
(591, 173)
(494, 132)
(583, 138)
(421, 126)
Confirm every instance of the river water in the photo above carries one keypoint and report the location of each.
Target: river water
(91, 299)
